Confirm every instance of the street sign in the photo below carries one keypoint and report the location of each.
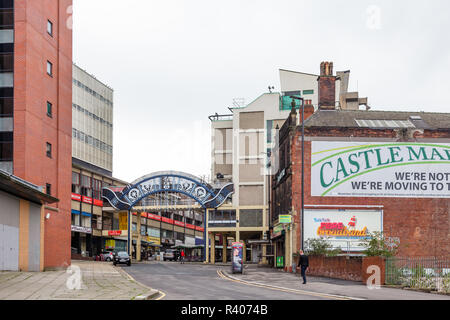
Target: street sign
(285, 219)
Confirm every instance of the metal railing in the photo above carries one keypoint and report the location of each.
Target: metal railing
(431, 273)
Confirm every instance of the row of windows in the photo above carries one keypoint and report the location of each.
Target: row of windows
(92, 141)
(6, 82)
(87, 186)
(94, 93)
(92, 115)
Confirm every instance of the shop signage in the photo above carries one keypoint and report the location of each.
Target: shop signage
(154, 216)
(285, 219)
(81, 229)
(168, 182)
(190, 226)
(199, 229)
(179, 223)
(345, 229)
(281, 175)
(76, 197)
(123, 220)
(87, 200)
(167, 220)
(110, 244)
(153, 240)
(114, 232)
(277, 230)
(98, 203)
(359, 169)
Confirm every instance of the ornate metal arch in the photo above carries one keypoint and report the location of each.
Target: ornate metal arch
(168, 181)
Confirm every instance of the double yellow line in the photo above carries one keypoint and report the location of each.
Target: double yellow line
(310, 293)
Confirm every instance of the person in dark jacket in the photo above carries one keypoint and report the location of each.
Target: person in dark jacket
(303, 263)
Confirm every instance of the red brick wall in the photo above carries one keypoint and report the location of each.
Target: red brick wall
(373, 261)
(346, 268)
(32, 128)
(421, 224)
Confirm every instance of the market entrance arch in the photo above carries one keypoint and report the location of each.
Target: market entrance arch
(163, 191)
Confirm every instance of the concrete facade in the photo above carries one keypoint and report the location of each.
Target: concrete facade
(92, 120)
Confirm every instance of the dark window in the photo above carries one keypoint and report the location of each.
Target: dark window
(49, 150)
(97, 189)
(6, 62)
(86, 187)
(49, 68)
(48, 189)
(76, 182)
(6, 151)
(49, 109)
(50, 28)
(6, 19)
(6, 107)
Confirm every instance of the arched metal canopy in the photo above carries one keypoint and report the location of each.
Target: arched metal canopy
(168, 181)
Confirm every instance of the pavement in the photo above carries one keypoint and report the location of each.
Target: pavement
(83, 280)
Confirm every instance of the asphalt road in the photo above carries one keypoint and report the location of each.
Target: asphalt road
(206, 282)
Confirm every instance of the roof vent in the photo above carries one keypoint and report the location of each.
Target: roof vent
(415, 117)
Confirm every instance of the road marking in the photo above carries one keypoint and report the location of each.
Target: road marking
(310, 293)
(163, 294)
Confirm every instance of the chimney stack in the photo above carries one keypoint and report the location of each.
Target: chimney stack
(327, 87)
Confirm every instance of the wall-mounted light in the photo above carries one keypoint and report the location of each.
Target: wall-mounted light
(47, 216)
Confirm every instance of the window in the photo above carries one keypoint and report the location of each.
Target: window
(50, 28)
(6, 62)
(86, 189)
(75, 219)
(6, 107)
(48, 189)
(97, 189)
(49, 150)
(49, 68)
(49, 109)
(76, 182)
(6, 146)
(308, 92)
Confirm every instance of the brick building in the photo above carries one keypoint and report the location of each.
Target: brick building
(365, 171)
(35, 109)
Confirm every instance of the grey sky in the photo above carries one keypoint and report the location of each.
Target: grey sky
(173, 63)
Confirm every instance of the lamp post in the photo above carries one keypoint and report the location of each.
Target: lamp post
(303, 167)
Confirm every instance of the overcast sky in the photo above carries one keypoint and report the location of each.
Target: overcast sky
(174, 63)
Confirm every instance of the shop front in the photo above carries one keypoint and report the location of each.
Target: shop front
(278, 237)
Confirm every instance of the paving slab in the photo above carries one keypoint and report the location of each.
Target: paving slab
(85, 280)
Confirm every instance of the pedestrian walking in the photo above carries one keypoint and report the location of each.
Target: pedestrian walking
(303, 263)
(182, 257)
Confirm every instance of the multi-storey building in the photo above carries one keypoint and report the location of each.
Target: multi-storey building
(35, 112)
(242, 143)
(92, 140)
(92, 122)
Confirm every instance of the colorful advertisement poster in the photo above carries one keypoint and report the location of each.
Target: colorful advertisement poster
(345, 229)
(237, 263)
(123, 220)
(368, 169)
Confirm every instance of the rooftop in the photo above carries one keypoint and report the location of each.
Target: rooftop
(379, 119)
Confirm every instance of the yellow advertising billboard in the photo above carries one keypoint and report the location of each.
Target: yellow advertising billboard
(123, 221)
